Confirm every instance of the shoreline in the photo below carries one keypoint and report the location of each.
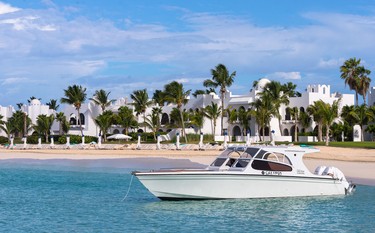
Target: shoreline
(357, 164)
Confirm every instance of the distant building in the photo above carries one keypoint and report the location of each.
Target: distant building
(89, 111)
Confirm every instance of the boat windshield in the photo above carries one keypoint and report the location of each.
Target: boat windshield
(232, 153)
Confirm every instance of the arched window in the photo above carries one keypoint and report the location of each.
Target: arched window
(302, 109)
(82, 118)
(286, 132)
(164, 119)
(266, 131)
(116, 131)
(72, 119)
(236, 131)
(324, 90)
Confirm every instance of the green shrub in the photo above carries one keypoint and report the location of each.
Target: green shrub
(3, 140)
(75, 139)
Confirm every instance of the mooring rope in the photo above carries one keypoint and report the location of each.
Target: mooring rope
(130, 184)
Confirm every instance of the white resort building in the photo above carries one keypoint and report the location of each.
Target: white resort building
(89, 111)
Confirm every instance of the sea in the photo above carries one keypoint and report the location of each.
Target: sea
(66, 196)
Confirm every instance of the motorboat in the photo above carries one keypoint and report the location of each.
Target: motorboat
(248, 172)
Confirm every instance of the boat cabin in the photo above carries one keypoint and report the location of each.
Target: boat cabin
(240, 158)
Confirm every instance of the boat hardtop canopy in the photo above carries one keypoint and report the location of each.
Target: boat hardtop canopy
(240, 156)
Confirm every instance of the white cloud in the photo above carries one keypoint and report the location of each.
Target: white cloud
(14, 80)
(286, 75)
(6, 8)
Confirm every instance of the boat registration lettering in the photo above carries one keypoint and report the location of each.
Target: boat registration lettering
(272, 173)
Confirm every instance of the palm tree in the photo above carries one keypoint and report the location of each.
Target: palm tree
(75, 95)
(140, 103)
(243, 118)
(263, 110)
(43, 125)
(158, 97)
(197, 119)
(232, 117)
(305, 119)
(212, 112)
(101, 98)
(126, 119)
(363, 82)
(220, 78)
(52, 104)
(20, 123)
(363, 116)
(104, 121)
(352, 73)
(294, 112)
(278, 95)
(176, 94)
(314, 111)
(60, 117)
(328, 113)
(153, 120)
(32, 98)
(8, 128)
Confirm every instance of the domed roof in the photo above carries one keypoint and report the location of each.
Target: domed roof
(262, 83)
(35, 102)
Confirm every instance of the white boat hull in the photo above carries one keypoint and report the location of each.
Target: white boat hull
(207, 185)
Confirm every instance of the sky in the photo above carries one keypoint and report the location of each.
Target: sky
(123, 45)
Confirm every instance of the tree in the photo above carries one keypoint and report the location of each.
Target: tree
(76, 96)
(363, 82)
(60, 117)
(126, 119)
(141, 103)
(203, 92)
(153, 120)
(263, 110)
(356, 77)
(8, 128)
(363, 116)
(314, 110)
(294, 112)
(158, 97)
(52, 104)
(278, 95)
(328, 114)
(33, 98)
(43, 125)
(243, 118)
(176, 94)
(101, 98)
(220, 78)
(232, 117)
(20, 123)
(197, 119)
(104, 121)
(212, 112)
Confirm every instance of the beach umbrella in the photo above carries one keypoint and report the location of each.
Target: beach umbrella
(119, 136)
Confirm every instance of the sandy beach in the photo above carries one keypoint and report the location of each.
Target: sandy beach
(357, 164)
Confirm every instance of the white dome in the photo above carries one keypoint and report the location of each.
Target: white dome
(262, 83)
(35, 102)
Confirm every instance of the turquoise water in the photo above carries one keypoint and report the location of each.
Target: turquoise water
(53, 198)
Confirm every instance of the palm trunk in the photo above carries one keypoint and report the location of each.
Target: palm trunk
(327, 135)
(80, 123)
(362, 134)
(263, 132)
(183, 124)
(144, 120)
(281, 132)
(295, 133)
(320, 132)
(222, 112)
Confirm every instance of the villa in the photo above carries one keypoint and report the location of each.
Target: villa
(89, 111)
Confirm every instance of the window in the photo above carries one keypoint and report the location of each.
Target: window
(218, 162)
(270, 166)
(241, 163)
